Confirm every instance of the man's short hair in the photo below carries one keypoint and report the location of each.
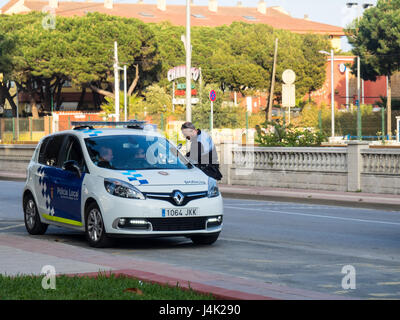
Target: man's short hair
(188, 125)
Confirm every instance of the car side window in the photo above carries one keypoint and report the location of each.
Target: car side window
(42, 152)
(74, 152)
(50, 150)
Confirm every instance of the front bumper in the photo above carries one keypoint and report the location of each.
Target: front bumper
(150, 210)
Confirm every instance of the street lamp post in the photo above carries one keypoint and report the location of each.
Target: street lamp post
(188, 65)
(125, 95)
(359, 134)
(364, 6)
(332, 90)
(116, 80)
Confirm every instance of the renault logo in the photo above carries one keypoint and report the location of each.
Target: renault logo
(178, 197)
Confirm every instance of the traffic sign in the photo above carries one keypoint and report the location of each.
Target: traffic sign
(288, 95)
(288, 76)
(213, 95)
(183, 101)
(182, 86)
(183, 92)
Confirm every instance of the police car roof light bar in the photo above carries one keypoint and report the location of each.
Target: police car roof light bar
(133, 124)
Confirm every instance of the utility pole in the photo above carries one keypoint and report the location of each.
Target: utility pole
(188, 65)
(200, 86)
(333, 93)
(17, 104)
(271, 93)
(125, 95)
(116, 80)
(389, 107)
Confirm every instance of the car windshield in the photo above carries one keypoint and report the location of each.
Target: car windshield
(135, 152)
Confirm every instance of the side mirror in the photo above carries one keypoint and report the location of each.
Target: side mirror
(179, 146)
(72, 166)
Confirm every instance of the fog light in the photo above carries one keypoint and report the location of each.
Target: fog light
(214, 222)
(121, 222)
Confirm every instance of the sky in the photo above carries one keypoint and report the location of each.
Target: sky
(332, 12)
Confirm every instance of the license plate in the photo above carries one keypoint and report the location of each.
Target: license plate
(183, 212)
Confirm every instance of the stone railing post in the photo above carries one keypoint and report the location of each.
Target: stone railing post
(354, 164)
(225, 161)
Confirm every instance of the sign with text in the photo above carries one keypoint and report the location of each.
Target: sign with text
(182, 86)
(183, 101)
(180, 72)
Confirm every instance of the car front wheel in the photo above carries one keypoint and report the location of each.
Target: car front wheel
(94, 228)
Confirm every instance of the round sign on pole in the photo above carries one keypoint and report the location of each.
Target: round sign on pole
(288, 76)
(213, 95)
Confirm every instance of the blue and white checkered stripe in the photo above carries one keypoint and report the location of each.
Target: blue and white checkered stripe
(46, 187)
(135, 177)
(92, 133)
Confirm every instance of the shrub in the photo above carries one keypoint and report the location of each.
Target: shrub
(280, 135)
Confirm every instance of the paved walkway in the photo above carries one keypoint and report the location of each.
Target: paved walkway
(19, 256)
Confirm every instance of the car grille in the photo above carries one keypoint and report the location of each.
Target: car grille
(169, 197)
(178, 224)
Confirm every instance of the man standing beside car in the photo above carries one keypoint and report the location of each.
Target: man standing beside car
(202, 150)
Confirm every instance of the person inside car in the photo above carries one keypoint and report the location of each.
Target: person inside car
(106, 157)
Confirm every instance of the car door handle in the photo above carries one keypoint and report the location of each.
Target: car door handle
(56, 180)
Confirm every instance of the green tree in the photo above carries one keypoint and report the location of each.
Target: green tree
(34, 63)
(79, 49)
(6, 47)
(376, 40)
(91, 46)
(133, 105)
(156, 100)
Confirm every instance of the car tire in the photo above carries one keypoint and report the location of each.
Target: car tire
(207, 239)
(94, 227)
(31, 217)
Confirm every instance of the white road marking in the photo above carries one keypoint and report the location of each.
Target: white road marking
(317, 216)
(11, 227)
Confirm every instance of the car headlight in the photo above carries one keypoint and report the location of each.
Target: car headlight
(213, 190)
(122, 189)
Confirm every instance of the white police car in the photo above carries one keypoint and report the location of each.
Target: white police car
(127, 181)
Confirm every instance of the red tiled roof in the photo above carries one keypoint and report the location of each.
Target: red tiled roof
(8, 5)
(176, 14)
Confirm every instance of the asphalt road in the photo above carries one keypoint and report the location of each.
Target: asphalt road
(302, 246)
